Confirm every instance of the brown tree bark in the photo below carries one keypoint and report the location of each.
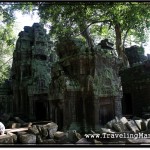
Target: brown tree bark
(86, 34)
(118, 40)
(119, 45)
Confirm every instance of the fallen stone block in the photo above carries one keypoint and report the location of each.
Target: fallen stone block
(27, 139)
(138, 141)
(48, 141)
(106, 130)
(14, 136)
(144, 125)
(83, 141)
(119, 127)
(39, 139)
(42, 131)
(6, 139)
(97, 142)
(51, 128)
(47, 130)
(124, 120)
(110, 124)
(73, 136)
(61, 137)
(138, 123)
(33, 129)
(132, 126)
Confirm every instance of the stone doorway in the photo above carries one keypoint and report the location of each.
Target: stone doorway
(128, 104)
(105, 114)
(41, 110)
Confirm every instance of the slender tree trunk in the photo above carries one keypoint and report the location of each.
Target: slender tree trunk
(119, 46)
(118, 40)
(86, 34)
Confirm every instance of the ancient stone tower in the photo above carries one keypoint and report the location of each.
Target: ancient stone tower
(79, 91)
(31, 73)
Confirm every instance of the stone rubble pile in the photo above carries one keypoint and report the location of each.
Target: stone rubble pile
(21, 132)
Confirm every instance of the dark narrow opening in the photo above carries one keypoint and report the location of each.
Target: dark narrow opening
(40, 111)
(128, 104)
(105, 114)
(60, 118)
(31, 43)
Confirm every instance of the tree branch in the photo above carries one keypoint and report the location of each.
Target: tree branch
(94, 22)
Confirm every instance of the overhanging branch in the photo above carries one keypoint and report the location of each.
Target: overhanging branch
(94, 22)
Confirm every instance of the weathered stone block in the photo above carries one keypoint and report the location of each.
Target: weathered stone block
(110, 123)
(105, 130)
(124, 120)
(73, 136)
(138, 123)
(33, 130)
(132, 126)
(14, 136)
(39, 139)
(144, 125)
(6, 139)
(27, 139)
(48, 141)
(83, 141)
(52, 128)
(138, 141)
(61, 137)
(119, 127)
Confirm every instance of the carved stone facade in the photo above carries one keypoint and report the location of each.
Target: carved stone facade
(31, 72)
(84, 90)
(77, 89)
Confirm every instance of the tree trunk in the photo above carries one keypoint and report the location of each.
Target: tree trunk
(118, 40)
(119, 46)
(86, 34)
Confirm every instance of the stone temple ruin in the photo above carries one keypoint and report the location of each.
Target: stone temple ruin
(73, 86)
(31, 73)
(136, 84)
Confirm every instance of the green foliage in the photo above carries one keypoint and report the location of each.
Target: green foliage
(101, 18)
(7, 39)
(98, 19)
